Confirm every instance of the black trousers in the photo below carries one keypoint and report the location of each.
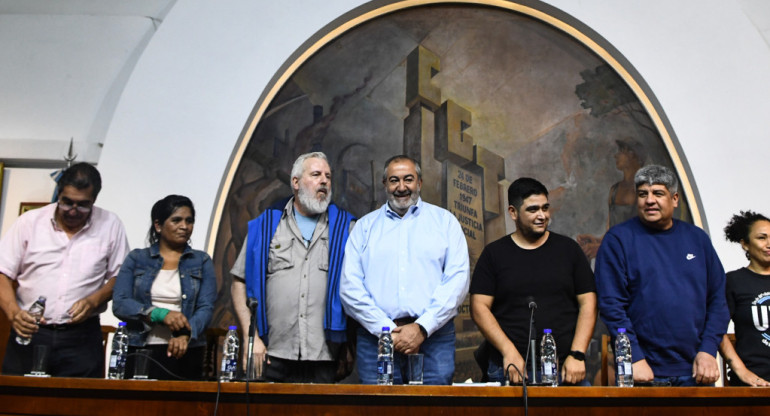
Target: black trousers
(73, 350)
(189, 367)
(291, 371)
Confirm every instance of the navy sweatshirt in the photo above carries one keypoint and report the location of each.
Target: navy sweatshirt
(667, 288)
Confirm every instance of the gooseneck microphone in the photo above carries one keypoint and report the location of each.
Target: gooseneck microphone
(531, 342)
(532, 305)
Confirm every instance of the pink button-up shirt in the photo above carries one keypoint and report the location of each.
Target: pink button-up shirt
(45, 262)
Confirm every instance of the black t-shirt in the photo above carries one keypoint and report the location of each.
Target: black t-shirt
(552, 274)
(748, 297)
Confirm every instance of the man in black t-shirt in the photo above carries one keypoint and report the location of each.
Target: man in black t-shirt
(533, 264)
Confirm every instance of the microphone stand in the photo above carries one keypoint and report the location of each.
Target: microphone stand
(250, 352)
(530, 346)
(252, 304)
(531, 342)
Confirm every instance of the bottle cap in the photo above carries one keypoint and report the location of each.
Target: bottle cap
(385, 329)
(122, 324)
(232, 327)
(547, 331)
(621, 330)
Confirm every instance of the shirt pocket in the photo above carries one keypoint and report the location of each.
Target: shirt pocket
(141, 284)
(323, 254)
(280, 256)
(195, 275)
(93, 260)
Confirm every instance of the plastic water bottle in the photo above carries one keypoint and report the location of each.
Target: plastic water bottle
(118, 355)
(36, 310)
(549, 360)
(229, 355)
(385, 358)
(625, 370)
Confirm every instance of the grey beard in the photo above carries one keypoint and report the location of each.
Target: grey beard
(399, 206)
(311, 204)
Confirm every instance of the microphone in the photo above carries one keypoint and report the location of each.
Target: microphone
(531, 302)
(252, 304)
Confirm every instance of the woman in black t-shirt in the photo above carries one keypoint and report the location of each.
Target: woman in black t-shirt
(748, 297)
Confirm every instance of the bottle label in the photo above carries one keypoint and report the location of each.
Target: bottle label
(547, 369)
(229, 365)
(113, 361)
(385, 367)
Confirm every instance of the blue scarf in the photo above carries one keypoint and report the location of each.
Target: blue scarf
(261, 231)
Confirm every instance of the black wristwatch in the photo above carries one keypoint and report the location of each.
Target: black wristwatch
(423, 330)
(580, 356)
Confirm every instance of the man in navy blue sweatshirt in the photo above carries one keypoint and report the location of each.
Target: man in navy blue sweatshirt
(661, 280)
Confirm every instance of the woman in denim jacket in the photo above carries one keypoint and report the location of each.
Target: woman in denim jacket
(166, 294)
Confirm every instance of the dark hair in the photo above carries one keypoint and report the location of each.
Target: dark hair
(80, 176)
(522, 189)
(396, 159)
(656, 175)
(739, 226)
(163, 209)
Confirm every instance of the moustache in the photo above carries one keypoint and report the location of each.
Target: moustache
(404, 193)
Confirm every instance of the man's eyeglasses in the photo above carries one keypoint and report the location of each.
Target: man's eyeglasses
(84, 207)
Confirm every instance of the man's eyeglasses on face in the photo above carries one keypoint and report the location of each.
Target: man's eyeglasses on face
(83, 207)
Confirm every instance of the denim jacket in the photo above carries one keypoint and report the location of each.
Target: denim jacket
(132, 302)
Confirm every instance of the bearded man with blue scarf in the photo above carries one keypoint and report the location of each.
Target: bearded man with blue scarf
(290, 263)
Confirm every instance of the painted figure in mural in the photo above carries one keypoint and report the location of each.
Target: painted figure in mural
(748, 297)
(661, 280)
(165, 293)
(533, 265)
(406, 268)
(69, 251)
(622, 197)
(290, 264)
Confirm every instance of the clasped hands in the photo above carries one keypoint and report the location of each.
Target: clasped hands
(408, 338)
(177, 346)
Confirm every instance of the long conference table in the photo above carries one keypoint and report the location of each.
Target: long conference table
(71, 396)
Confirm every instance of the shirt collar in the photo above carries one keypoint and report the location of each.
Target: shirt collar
(155, 250)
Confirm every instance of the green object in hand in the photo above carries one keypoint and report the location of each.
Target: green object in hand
(158, 314)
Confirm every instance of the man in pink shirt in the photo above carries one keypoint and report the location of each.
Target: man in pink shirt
(68, 252)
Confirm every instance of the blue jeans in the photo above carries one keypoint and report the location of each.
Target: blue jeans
(678, 381)
(438, 364)
(496, 373)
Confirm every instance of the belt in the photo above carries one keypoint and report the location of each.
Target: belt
(64, 327)
(404, 321)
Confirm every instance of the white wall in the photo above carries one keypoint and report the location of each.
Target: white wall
(23, 185)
